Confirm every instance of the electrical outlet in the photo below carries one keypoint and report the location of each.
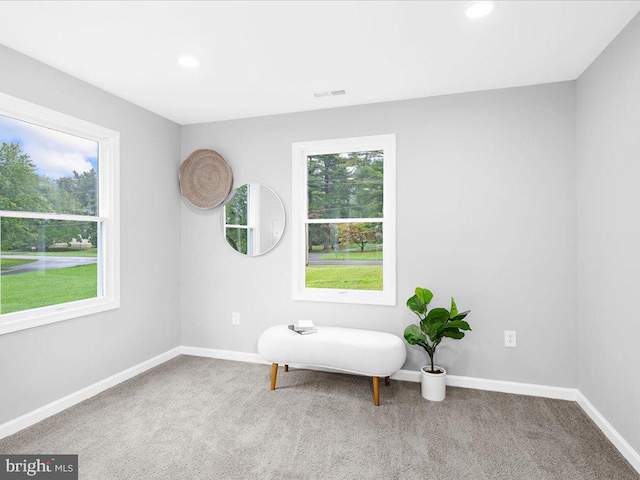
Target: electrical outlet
(510, 339)
(235, 318)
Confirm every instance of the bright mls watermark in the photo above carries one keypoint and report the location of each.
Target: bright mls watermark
(51, 467)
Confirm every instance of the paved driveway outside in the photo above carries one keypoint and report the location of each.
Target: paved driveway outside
(45, 262)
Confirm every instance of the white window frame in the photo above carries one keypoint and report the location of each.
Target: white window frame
(301, 151)
(108, 219)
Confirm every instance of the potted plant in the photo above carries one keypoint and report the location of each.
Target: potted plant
(435, 325)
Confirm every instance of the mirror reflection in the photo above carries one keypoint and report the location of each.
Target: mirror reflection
(253, 219)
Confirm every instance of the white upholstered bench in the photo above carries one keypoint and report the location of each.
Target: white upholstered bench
(362, 352)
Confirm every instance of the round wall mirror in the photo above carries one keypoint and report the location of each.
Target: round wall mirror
(253, 219)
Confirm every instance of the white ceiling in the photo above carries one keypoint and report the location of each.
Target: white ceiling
(261, 58)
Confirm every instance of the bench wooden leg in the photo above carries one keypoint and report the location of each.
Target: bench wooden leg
(274, 374)
(387, 382)
(286, 368)
(376, 391)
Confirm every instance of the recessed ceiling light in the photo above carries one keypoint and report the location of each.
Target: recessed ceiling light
(189, 62)
(480, 9)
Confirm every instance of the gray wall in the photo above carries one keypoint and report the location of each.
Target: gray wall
(44, 364)
(608, 141)
(486, 212)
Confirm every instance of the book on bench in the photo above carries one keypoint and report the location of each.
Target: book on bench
(303, 327)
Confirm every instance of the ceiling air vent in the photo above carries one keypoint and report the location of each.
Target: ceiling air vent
(333, 93)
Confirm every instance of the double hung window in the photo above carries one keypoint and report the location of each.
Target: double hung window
(344, 220)
(58, 216)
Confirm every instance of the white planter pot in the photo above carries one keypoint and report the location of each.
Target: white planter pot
(434, 385)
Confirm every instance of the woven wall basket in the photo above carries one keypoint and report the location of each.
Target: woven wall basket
(205, 179)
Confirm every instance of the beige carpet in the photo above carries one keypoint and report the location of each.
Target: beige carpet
(198, 418)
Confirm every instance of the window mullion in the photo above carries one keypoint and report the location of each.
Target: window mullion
(344, 220)
(51, 216)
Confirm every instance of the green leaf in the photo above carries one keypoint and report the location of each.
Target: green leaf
(460, 316)
(438, 315)
(454, 308)
(435, 319)
(461, 324)
(438, 333)
(436, 330)
(414, 336)
(425, 327)
(457, 334)
(417, 305)
(424, 295)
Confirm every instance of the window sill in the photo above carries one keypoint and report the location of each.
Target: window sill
(18, 321)
(366, 297)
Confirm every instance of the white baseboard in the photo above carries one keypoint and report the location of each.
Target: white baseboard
(223, 354)
(530, 389)
(611, 433)
(407, 376)
(35, 416)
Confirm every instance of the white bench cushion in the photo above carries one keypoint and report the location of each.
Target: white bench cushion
(364, 352)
